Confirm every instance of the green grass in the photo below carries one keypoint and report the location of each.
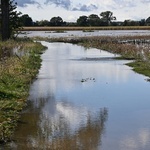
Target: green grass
(59, 31)
(16, 75)
(88, 31)
(141, 67)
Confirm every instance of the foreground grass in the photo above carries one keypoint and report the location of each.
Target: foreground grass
(16, 74)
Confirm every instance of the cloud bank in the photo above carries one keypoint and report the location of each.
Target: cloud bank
(61, 3)
(122, 9)
(23, 3)
(66, 4)
(90, 7)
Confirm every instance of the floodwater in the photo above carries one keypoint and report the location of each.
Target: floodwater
(84, 99)
(70, 34)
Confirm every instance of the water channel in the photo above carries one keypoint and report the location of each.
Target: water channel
(84, 99)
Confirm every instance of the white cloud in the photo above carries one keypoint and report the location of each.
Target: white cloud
(24, 3)
(122, 9)
(84, 7)
(138, 141)
(62, 3)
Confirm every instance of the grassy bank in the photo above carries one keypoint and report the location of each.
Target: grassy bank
(17, 71)
(86, 28)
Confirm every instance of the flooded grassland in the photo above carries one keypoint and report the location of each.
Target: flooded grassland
(84, 97)
(135, 48)
(129, 47)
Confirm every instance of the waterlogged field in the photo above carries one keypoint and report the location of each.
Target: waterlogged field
(85, 99)
(86, 32)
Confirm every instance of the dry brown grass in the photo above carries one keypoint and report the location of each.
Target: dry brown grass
(86, 28)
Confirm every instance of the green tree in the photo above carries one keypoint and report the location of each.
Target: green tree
(82, 21)
(14, 18)
(94, 20)
(142, 22)
(26, 20)
(9, 18)
(43, 23)
(131, 23)
(56, 21)
(148, 21)
(107, 17)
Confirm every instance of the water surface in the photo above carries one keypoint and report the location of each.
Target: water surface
(83, 99)
(70, 34)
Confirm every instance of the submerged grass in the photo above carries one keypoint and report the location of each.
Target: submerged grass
(16, 74)
(135, 48)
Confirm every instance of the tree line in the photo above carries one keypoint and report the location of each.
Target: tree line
(104, 19)
(11, 20)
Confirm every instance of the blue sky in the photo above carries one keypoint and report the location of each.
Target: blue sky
(70, 10)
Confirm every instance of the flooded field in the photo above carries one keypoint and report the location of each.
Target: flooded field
(54, 34)
(84, 99)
